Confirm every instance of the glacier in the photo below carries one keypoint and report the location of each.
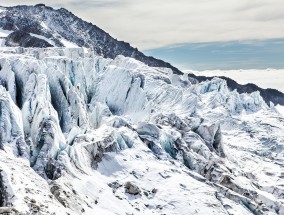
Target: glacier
(84, 134)
(265, 78)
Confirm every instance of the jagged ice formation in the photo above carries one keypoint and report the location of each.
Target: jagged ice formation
(79, 132)
(42, 26)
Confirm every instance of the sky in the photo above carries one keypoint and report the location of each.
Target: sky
(232, 55)
(182, 25)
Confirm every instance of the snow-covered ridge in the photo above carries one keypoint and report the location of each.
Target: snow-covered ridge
(265, 78)
(101, 131)
(61, 28)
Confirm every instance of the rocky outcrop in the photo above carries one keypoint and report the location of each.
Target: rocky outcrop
(24, 39)
(132, 188)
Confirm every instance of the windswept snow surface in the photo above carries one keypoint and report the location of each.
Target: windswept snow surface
(280, 109)
(43, 38)
(68, 44)
(3, 35)
(83, 134)
(266, 78)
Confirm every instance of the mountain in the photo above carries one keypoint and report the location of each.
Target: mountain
(43, 26)
(49, 27)
(81, 133)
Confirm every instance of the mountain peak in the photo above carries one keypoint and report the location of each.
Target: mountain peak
(58, 26)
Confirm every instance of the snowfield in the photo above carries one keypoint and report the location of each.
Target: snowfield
(280, 109)
(83, 134)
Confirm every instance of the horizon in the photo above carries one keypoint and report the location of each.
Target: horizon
(244, 36)
(230, 55)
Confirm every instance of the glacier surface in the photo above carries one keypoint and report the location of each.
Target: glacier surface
(83, 134)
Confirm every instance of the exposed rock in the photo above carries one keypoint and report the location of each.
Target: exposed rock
(132, 188)
(154, 190)
(24, 39)
(53, 169)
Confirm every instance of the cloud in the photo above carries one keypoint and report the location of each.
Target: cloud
(94, 4)
(159, 23)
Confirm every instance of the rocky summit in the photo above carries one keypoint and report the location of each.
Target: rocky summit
(82, 132)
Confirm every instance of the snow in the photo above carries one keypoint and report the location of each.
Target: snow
(75, 128)
(4, 33)
(2, 42)
(68, 44)
(43, 25)
(280, 109)
(27, 190)
(2, 10)
(266, 78)
(43, 38)
(193, 195)
(81, 126)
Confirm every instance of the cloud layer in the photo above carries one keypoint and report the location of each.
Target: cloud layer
(151, 24)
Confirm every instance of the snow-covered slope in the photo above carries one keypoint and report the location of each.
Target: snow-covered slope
(265, 78)
(43, 26)
(83, 134)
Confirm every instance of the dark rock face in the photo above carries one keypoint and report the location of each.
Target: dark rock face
(1, 193)
(24, 39)
(52, 169)
(132, 188)
(4, 200)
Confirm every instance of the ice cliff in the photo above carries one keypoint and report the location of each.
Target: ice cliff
(83, 134)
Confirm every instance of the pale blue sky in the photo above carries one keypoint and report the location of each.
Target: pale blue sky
(256, 54)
